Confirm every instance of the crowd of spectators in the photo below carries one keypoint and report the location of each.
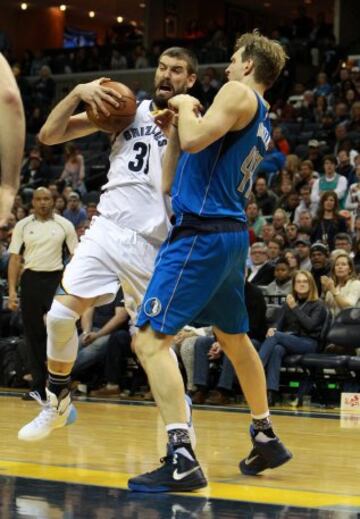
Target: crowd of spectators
(303, 212)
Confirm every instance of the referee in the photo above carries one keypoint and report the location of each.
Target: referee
(41, 240)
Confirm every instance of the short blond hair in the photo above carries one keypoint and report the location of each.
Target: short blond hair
(268, 55)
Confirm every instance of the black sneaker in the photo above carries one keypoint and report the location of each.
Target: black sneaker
(179, 472)
(264, 455)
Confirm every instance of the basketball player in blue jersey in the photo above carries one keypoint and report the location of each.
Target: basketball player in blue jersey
(199, 273)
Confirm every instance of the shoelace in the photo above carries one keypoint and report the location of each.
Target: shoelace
(48, 412)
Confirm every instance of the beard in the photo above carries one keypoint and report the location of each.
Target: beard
(160, 101)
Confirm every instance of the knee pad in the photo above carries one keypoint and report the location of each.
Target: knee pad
(62, 340)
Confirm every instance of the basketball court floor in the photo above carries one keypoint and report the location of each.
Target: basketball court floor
(81, 471)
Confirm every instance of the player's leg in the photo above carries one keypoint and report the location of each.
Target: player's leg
(62, 347)
(90, 278)
(135, 271)
(180, 470)
(268, 451)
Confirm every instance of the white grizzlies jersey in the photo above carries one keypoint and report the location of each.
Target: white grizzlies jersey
(133, 196)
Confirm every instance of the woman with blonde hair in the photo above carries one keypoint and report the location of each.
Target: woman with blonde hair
(297, 329)
(342, 287)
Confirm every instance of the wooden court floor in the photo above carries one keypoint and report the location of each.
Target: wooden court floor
(110, 441)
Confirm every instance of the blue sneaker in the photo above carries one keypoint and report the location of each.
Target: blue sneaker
(179, 472)
(264, 455)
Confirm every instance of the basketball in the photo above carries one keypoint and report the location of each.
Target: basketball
(120, 117)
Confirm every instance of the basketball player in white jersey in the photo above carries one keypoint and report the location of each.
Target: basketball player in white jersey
(121, 245)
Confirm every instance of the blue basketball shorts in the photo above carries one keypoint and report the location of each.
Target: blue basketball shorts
(198, 280)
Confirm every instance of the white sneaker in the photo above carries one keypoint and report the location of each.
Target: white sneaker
(54, 414)
(189, 421)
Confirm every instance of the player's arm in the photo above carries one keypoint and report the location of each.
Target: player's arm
(233, 108)
(12, 138)
(62, 125)
(170, 160)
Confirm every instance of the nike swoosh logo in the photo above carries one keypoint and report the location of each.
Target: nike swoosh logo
(178, 476)
(250, 460)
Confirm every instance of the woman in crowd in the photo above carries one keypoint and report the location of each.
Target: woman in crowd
(293, 259)
(297, 330)
(341, 288)
(328, 222)
(74, 168)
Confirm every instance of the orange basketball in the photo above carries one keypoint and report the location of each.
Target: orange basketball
(120, 117)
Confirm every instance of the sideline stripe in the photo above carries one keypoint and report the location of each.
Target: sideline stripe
(296, 413)
(216, 490)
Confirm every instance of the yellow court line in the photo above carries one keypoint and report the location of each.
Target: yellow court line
(231, 491)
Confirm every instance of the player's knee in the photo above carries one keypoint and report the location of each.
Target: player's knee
(147, 345)
(62, 336)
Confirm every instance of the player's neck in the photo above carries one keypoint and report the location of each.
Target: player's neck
(249, 81)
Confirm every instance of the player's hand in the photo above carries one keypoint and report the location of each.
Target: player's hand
(96, 92)
(176, 102)
(166, 120)
(13, 302)
(7, 196)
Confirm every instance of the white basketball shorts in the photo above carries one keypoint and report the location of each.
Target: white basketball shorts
(106, 257)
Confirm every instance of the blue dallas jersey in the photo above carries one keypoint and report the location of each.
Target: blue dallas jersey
(216, 181)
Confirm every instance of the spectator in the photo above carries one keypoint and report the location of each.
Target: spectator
(280, 221)
(342, 288)
(305, 204)
(97, 325)
(314, 154)
(293, 259)
(118, 61)
(280, 142)
(91, 210)
(274, 250)
(297, 329)
(44, 88)
(330, 181)
(74, 213)
(320, 263)
(266, 200)
(353, 194)
(343, 241)
(291, 232)
(74, 168)
(303, 249)
(255, 221)
(34, 174)
(323, 87)
(268, 232)
(328, 222)
(208, 91)
(344, 166)
(60, 205)
(262, 270)
(305, 222)
(20, 213)
(281, 286)
(36, 120)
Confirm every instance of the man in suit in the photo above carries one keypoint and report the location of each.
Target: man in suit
(262, 270)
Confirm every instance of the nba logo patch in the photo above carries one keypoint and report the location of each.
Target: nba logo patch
(152, 307)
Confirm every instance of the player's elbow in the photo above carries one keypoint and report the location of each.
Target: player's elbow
(46, 137)
(190, 146)
(11, 97)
